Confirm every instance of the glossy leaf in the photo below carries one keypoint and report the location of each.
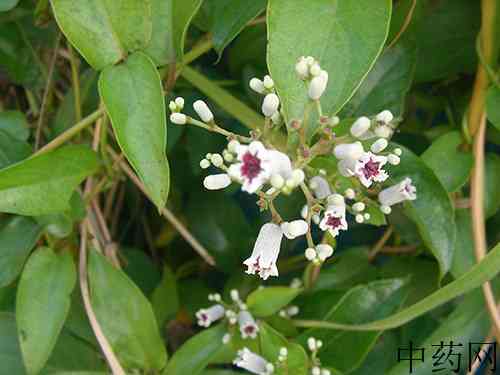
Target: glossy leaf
(43, 184)
(165, 297)
(491, 185)
(128, 322)
(493, 105)
(345, 37)
(268, 301)
(229, 17)
(386, 85)
(104, 31)
(12, 150)
(196, 353)
(463, 258)
(10, 351)
(472, 279)
(42, 304)
(363, 303)
(14, 123)
(18, 236)
(133, 97)
(432, 211)
(448, 161)
(171, 19)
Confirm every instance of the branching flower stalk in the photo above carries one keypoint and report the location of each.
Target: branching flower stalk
(332, 196)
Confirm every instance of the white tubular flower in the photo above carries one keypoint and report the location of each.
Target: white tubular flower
(302, 68)
(253, 363)
(203, 111)
(270, 104)
(360, 126)
(379, 145)
(217, 181)
(254, 167)
(336, 204)
(334, 220)
(265, 252)
(277, 181)
(369, 169)
(315, 69)
(347, 167)
(248, 326)
(318, 85)
(384, 117)
(280, 164)
(398, 193)
(324, 251)
(294, 229)
(358, 206)
(178, 118)
(383, 131)
(179, 102)
(393, 159)
(268, 82)
(208, 316)
(320, 187)
(172, 106)
(311, 344)
(351, 151)
(298, 176)
(257, 85)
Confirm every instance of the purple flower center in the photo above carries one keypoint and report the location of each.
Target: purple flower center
(249, 330)
(204, 317)
(251, 166)
(333, 222)
(371, 169)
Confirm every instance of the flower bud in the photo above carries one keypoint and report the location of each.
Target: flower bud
(310, 254)
(336, 200)
(334, 120)
(359, 218)
(383, 131)
(277, 181)
(257, 85)
(318, 85)
(385, 209)
(172, 106)
(384, 117)
(324, 251)
(203, 111)
(217, 160)
(178, 118)
(398, 151)
(393, 159)
(315, 70)
(268, 82)
(204, 164)
(302, 68)
(367, 216)
(360, 126)
(358, 206)
(298, 176)
(294, 229)
(233, 146)
(379, 145)
(348, 151)
(179, 102)
(217, 181)
(350, 194)
(270, 104)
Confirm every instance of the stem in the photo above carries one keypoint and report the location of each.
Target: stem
(310, 204)
(217, 129)
(75, 80)
(380, 243)
(202, 47)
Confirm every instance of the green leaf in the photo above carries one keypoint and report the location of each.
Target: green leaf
(472, 279)
(44, 183)
(42, 304)
(493, 105)
(468, 323)
(12, 150)
(6, 5)
(10, 351)
(133, 97)
(386, 85)
(432, 211)
(344, 36)
(362, 303)
(196, 353)
(271, 341)
(128, 322)
(165, 298)
(171, 19)
(491, 185)
(463, 258)
(221, 97)
(140, 269)
(448, 161)
(229, 18)
(14, 123)
(268, 301)
(18, 236)
(104, 31)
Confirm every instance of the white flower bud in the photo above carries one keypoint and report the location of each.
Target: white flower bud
(217, 160)
(302, 68)
(298, 176)
(235, 295)
(315, 70)
(318, 85)
(367, 216)
(268, 82)
(227, 156)
(350, 194)
(233, 146)
(203, 111)
(217, 181)
(276, 118)
(385, 209)
(358, 206)
(204, 164)
(383, 131)
(349, 151)
(303, 211)
(216, 297)
(384, 117)
(179, 102)
(172, 106)
(398, 151)
(336, 200)
(393, 159)
(178, 118)
(325, 372)
(310, 254)
(359, 218)
(277, 181)
(319, 344)
(324, 251)
(292, 310)
(270, 104)
(316, 371)
(334, 120)
(360, 126)
(257, 85)
(226, 338)
(309, 60)
(283, 351)
(294, 229)
(379, 145)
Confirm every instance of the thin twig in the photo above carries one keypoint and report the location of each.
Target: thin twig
(405, 25)
(48, 85)
(380, 243)
(478, 225)
(484, 349)
(183, 231)
(75, 80)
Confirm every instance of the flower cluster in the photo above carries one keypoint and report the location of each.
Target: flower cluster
(354, 188)
(314, 346)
